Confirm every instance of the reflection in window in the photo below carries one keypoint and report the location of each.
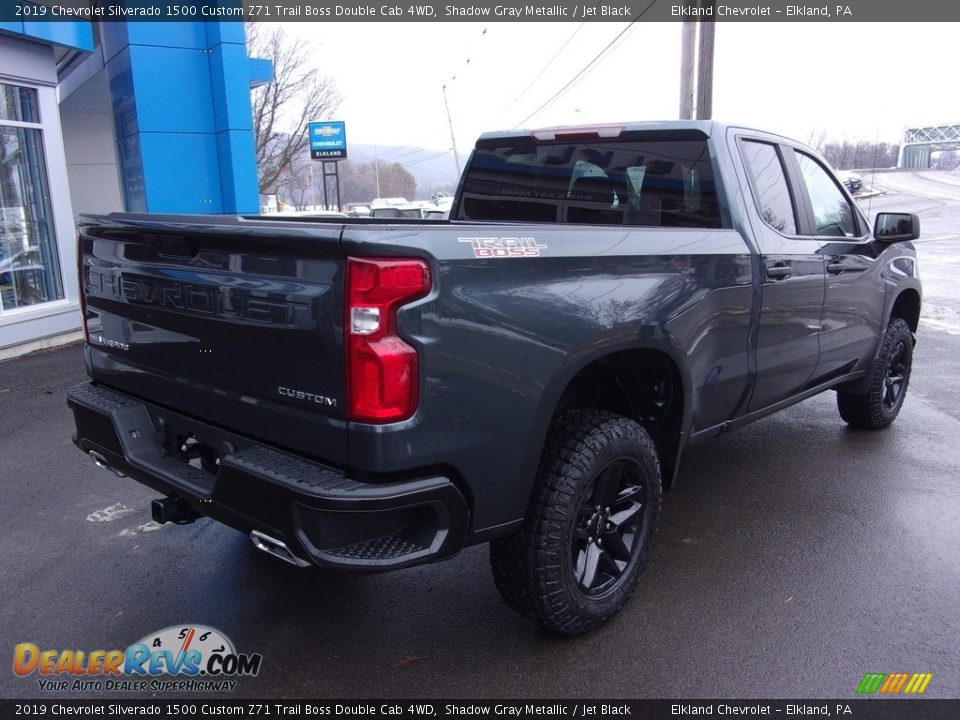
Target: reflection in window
(29, 265)
(831, 210)
(18, 104)
(637, 179)
(773, 195)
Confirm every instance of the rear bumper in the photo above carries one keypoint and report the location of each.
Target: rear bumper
(322, 515)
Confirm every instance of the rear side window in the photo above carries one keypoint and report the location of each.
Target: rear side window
(652, 183)
(831, 210)
(770, 186)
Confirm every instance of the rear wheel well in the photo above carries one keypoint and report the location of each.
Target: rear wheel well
(907, 306)
(643, 385)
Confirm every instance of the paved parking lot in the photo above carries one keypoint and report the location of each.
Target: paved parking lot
(794, 556)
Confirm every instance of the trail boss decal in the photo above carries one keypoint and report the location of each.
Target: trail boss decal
(504, 247)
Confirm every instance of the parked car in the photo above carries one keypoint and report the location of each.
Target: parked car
(369, 395)
(305, 214)
(853, 181)
(415, 211)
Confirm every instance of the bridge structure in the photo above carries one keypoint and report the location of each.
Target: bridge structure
(918, 143)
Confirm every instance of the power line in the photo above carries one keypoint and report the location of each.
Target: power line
(542, 70)
(585, 70)
(580, 75)
(408, 153)
(424, 159)
(389, 150)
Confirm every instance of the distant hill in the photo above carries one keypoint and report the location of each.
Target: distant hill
(431, 173)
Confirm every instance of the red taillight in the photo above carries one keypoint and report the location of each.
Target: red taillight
(381, 368)
(581, 132)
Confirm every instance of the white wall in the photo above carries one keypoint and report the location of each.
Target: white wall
(22, 60)
(32, 65)
(86, 117)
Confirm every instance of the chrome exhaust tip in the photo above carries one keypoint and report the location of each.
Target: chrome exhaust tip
(275, 547)
(101, 462)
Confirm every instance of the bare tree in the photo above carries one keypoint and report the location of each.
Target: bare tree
(862, 154)
(817, 139)
(282, 108)
(358, 181)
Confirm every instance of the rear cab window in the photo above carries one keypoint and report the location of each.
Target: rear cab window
(770, 188)
(637, 179)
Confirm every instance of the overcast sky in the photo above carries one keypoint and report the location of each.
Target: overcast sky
(863, 80)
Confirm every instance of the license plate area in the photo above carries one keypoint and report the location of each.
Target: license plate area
(201, 446)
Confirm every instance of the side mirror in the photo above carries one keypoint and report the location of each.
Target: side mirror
(896, 227)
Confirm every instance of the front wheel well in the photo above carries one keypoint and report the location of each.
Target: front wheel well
(643, 385)
(907, 306)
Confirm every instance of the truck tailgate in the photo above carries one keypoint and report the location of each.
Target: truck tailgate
(242, 327)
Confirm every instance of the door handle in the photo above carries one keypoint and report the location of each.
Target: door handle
(838, 267)
(779, 271)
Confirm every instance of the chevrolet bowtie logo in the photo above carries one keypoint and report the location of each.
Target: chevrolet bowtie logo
(326, 131)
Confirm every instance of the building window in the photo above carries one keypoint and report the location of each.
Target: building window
(29, 263)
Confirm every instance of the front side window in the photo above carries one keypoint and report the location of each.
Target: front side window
(832, 212)
(622, 181)
(29, 264)
(770, 183)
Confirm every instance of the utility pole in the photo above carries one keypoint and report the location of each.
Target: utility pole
(453, 140)
(705, 67)
(696, 66)
(687, 49)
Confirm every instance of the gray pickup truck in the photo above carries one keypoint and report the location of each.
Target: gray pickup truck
(373, 395)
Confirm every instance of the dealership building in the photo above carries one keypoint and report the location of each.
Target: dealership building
(98, 118)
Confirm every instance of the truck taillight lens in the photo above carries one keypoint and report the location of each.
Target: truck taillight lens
(382, 369)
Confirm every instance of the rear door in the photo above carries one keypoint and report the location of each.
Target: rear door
(239, 323)
(792, 277)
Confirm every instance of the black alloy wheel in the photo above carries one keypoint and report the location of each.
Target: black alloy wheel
(589, 526)
(608, 523)
(878, 405)
(895, 381)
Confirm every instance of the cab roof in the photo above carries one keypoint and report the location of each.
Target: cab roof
(703, 128)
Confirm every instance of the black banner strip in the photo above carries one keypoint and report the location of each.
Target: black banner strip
(879, 708)
(478, 11)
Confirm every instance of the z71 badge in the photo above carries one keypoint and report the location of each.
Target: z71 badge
(504, 247)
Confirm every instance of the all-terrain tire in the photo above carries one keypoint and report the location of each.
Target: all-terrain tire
(889, 377)
(599, 476)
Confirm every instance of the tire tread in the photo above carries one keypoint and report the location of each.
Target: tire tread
(866, 410)
(527, 566)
